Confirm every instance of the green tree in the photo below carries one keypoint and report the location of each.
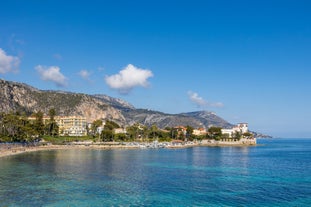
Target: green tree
(10, 126)
(26, 131)
(135, 131)
(111, 125)
(225, 136)
(164, 135)
(14, 127)
(248, 135)
(189, 131)
(2, 127)
(107, 135)
(237, 135)
(17, 127)
(214, 132)
(38, 124)
(173, 133)
(200, 137)
(52, 114)
(51, 127)
(120, 137)
(153, 132)
(95, 125)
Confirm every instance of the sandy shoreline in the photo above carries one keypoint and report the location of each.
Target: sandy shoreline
(19, 150)
(8, 151)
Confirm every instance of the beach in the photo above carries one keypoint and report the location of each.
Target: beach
(14, 150)
(18, 148)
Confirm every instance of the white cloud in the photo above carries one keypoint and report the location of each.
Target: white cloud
(85, 74)
(8, 63)
(200, 102)
(128, 78)
(195, 98)
(52, 74)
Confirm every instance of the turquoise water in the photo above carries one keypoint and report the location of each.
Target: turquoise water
(277, 173)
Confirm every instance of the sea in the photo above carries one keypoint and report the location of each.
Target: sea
(276, 172)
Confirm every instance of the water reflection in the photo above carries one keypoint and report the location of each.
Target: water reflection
(200, 176)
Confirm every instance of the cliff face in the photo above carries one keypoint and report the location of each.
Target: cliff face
(16, 97)
(24, 98)
(21, 97)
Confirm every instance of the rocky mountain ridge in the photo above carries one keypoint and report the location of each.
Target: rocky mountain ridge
(24, 98)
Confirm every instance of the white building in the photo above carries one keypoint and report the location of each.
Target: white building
(240, 128)
(68, 125)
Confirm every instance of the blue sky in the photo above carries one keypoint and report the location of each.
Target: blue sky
(247, 61)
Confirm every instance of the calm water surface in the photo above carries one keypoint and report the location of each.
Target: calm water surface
(277, 173)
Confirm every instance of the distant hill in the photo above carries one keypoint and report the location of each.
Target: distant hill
(162, 120)
(24, 98)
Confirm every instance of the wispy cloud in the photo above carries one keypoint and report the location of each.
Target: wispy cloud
(201, 102)
(85, 74)
(53, 74)
(128, 78)
(8, 63)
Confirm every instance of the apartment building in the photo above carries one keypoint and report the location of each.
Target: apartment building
(68, 125)
(71, 125)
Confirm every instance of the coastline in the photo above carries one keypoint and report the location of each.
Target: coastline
(20, 150)
(14, 150)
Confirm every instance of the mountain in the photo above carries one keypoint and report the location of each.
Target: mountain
(208, 119)
(115, 102)
(260, 135)
(21, 97)
(162, 120)
(24, 98)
